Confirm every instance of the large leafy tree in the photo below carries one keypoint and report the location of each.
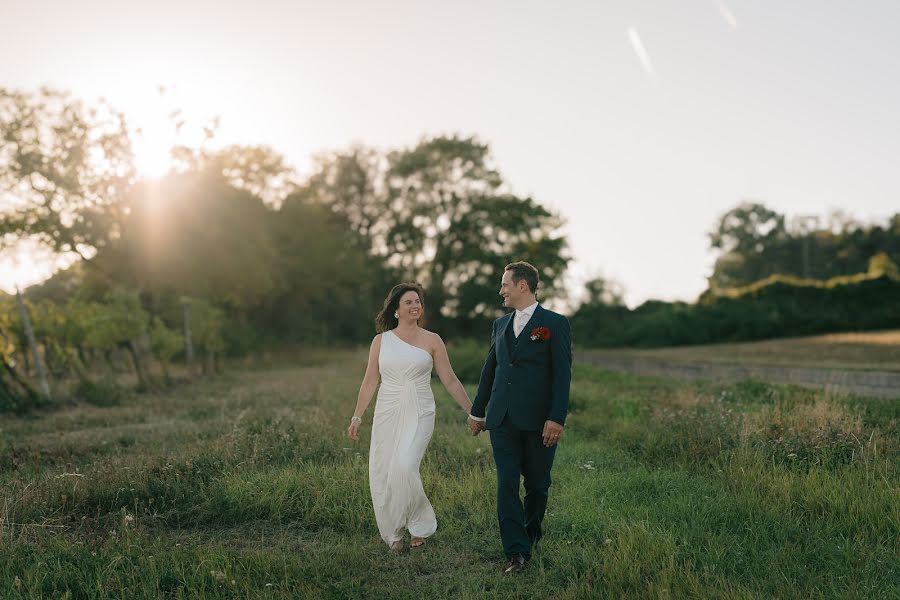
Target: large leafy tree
(328, 284)
(440, 213)
(196, 235)
(65, 167)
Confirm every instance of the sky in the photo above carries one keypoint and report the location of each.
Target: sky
(640, 122)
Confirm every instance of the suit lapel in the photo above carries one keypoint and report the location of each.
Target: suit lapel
(503, 331)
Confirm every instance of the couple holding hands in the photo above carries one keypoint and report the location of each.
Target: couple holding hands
(522, 400)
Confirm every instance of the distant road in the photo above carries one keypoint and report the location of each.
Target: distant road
(873, 384)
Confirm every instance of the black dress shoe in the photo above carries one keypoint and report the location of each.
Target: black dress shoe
(516, 565)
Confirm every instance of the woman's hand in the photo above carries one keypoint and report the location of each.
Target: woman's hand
(353, 430)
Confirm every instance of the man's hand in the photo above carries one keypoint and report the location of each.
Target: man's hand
(552, 432)
(475, 427)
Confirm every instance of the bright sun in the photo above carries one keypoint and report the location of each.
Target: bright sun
(152, 151)
(159, 121)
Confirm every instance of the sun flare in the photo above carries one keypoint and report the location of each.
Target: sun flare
(152, 152)
(162, 120)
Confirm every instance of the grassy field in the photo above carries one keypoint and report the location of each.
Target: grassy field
(245, 486)
(875, 350)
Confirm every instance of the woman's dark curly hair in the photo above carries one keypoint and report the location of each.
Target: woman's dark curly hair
(385, 319)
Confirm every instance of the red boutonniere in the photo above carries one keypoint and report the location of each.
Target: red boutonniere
(540, 334)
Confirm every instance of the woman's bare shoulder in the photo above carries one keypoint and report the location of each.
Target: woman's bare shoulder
(434, 340)
(431, 335)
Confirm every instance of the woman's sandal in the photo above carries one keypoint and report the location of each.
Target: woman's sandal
(397, 546)
(416, 543)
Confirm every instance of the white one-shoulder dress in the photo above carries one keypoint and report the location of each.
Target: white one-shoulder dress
(401, 429)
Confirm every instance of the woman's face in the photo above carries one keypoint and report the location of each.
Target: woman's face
(410, 308)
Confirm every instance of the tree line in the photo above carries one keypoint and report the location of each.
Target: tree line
(231, 252)
(773, 277)
(755, 242)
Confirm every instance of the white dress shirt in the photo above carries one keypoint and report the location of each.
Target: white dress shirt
(520, 319)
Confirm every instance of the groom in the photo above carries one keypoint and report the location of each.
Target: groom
(525, 388)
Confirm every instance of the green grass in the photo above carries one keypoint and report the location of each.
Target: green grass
(245, 486)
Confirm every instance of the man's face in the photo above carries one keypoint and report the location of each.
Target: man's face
(513, 293)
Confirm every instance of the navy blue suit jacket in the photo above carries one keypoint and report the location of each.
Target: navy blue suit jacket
(527, 380)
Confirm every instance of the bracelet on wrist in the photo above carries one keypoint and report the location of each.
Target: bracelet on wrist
(355, 419)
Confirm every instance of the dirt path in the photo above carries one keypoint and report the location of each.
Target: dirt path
(875, 384)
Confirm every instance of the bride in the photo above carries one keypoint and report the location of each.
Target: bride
(403, 353)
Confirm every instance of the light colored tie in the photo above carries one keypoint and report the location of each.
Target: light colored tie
(519, 322)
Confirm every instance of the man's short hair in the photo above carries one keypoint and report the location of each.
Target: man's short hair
(523, 270)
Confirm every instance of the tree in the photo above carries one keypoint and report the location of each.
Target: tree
(747, 228)
(119, 321)
(194, 234)
(743, 235)
(602, 318)
(439, 213)
(258, 169)
(328, 284)
(471, 253)
(601, 291)
(64, 170)
(352, 185)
